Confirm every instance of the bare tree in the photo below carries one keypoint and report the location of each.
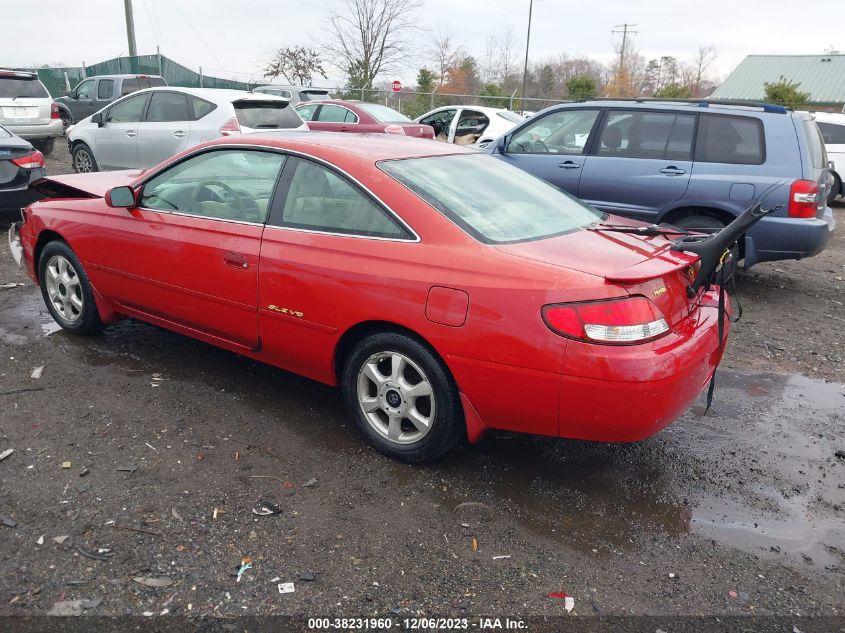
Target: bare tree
(507, 55)
(367, 36)
(443, 53)
(297, 64)
(704, 58)
(489, 64)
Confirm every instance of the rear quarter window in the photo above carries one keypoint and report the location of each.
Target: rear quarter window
(831, 133)
(735, 140)
(266, 115)
(198, 108)
(815, 144)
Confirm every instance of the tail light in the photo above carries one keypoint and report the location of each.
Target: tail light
(230, 127)
(394, 129)
(35, 160)
(54, 111)
(616, 321)
(803, 199)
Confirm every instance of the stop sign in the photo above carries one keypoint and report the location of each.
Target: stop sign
(397, 86)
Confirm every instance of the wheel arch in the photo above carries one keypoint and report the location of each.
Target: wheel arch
(45, 237)
(719, 213)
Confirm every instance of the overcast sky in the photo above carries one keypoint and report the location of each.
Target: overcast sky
(231, 38)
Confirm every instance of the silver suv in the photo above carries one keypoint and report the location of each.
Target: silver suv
(26, 109)
(295, 94)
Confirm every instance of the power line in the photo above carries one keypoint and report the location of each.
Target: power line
(626, 29)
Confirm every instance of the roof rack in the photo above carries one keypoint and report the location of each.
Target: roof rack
(701, 103)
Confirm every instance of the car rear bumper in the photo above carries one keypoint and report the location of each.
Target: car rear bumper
(41, 131)
(777, 238)
(628, 393)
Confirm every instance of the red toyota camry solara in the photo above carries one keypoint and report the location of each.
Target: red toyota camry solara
(444, 292)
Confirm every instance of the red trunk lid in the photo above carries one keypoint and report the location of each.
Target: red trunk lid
(642, 265)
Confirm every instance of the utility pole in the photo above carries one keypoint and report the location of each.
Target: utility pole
(130, 28)
(625, 30)
(527, 42)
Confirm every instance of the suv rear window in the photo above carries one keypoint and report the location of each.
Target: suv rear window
(11, 87)
(266, 115)
(736, 140)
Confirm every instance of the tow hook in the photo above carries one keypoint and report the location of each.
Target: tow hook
(15, 244)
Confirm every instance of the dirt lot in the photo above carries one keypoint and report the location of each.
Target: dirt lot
(171, 443)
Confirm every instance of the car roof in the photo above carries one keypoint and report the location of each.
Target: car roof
(688, 105)
(213, 94)
(371, 147)
(295, 88)
(124, 76)
(837, 118)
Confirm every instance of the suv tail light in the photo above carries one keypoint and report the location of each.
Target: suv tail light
(615, 321)
(34, 160)
(230, 127)
(54, 111)
(394, 129)
(803, 199)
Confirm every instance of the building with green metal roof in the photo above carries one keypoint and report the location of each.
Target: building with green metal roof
(822, 76)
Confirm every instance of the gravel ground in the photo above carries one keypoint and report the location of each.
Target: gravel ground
(172, 443)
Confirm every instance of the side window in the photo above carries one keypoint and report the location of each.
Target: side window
(85, 90)
(831, 133)
(127, 111)
(321, 200)
(736, 140)
(105, 89)
(199, 107)
(440, 121)
(561, 132)
(228, 184)
(168, 106)
(333, 114)
(129, 86)
(307, 111)
(643, 134)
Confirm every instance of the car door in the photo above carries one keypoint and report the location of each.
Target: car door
(554, 147)
(640, 163)
(307, 112)
(81, 102)
(116, 142)
(324, 252)
(165, 130)
(441, 121)
(470, 126)
(187, 255)
(334, 118)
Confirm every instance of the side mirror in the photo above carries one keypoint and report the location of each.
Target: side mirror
(502, 143)
(120, 197)
(98, 119)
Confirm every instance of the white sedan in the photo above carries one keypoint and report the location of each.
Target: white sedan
(468, 124)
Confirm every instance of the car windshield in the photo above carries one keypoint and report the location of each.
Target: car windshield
(12, 87)
(266, 115)
(494, 202)
(383, 114)
(513, 117)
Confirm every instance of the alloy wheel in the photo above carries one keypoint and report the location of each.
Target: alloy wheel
(396, 397)
(82, 161)
(64, 288)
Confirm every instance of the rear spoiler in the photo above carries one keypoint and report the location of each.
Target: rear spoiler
(650, 269)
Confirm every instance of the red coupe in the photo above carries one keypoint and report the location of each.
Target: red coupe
(359, 116)
(444, 291)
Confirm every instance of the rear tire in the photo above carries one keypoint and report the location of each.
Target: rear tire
(46, 147)
(83, 159)
(402, 397)
(835, 189)
(707, 224)
(66, 290)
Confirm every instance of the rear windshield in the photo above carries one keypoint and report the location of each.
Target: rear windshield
(383, 114)
(11, 87)
(494, 202)
(266, 115)
(313, 95)
(815, 144)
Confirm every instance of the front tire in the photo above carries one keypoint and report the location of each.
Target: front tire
(83, 159)
(66, 290)
(402, 397)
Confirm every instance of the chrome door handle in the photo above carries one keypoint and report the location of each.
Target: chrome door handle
(180, 134)
(672, 171)
(131, 133)
(568, 164)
